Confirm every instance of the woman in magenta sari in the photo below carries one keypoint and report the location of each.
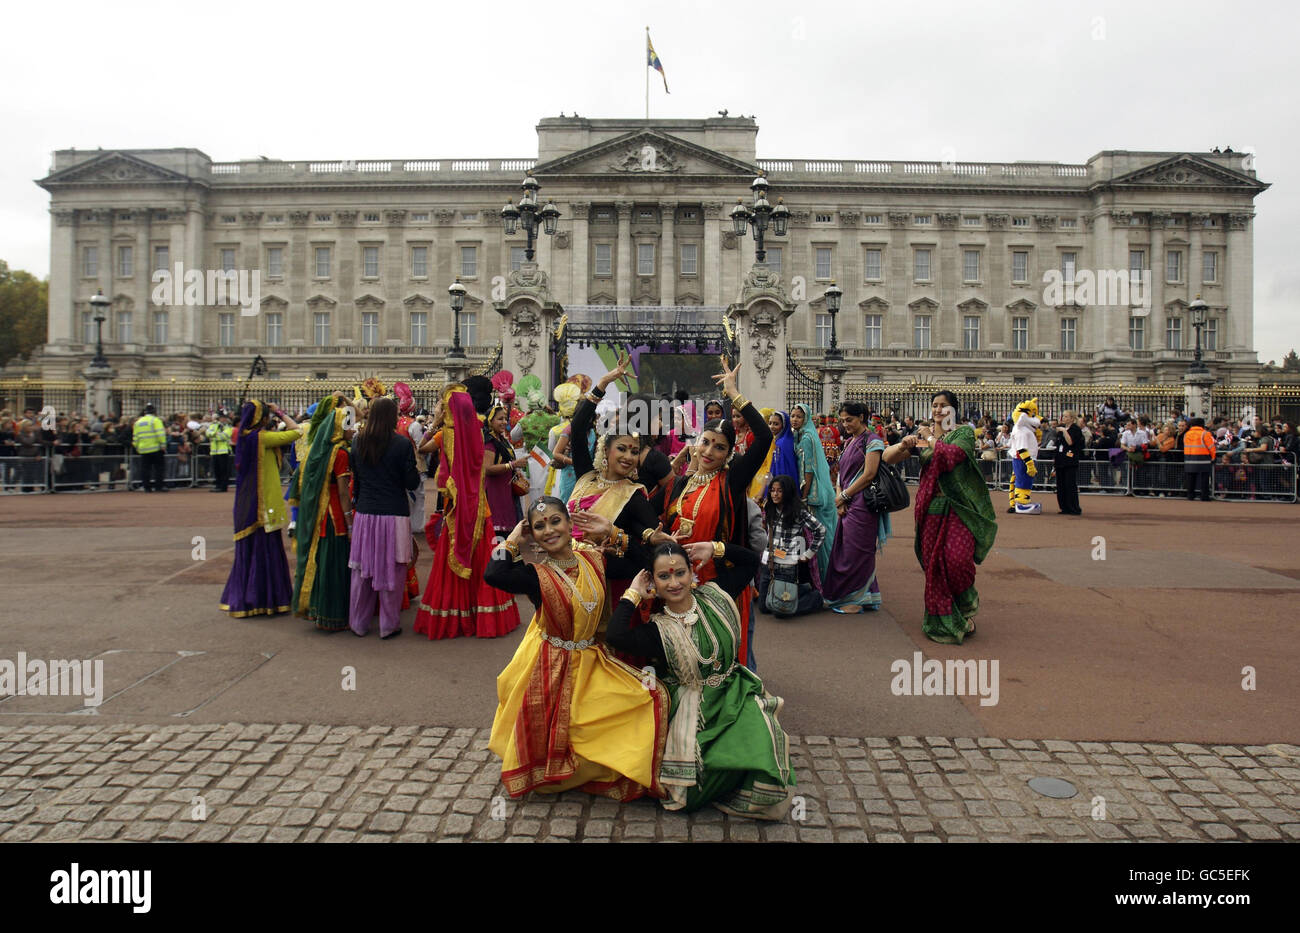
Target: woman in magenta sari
(955, 521)
(850, 584)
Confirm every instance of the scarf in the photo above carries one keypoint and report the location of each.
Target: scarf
(463, 451)
(785, 461)
(248, 458)
(310, 492)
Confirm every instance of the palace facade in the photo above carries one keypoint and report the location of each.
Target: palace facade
(950, 271)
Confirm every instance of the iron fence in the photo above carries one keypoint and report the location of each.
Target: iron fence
(803, 387)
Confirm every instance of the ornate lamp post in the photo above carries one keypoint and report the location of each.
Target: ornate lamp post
(759, 215)
(1200, 311)
(99, 305)
(457, 293)
(833, 295)
(528, 213)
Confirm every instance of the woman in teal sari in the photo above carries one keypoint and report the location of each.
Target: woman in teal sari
(321, 490)
(816, 488)
(955, 521)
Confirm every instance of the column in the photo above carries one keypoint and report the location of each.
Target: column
(581, 254)
(142, 290)
(1155, 336)
(711, 261)
(623, 273)
(188, 331)
(63, 249)
(1238, 322)
(668, 253)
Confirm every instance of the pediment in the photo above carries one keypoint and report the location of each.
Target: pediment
(923, 305)
(1187, 171)
(873, 305)
(646, 153)
(114, 168)
(601, 298)
(1022, 306)
(369, 301)
(690, 298)
(320, 301)
(274, 303)
(123, 302)
(418, 300)
(973, 306)
(1177, 306)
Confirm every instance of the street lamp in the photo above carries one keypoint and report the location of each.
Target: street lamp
(457, 293)
(528, 213)
(1200, 311)
(759, 215)
(832, 296)
(99, 305)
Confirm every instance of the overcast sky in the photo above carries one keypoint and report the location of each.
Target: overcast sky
(987, 81)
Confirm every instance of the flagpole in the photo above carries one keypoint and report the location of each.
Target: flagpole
(647, 73)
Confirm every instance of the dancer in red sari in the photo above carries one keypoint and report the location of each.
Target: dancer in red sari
(709, 505)
(457, 600)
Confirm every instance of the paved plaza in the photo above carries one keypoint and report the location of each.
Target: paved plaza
(1124, 677)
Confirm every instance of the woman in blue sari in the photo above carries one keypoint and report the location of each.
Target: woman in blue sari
(785, 459)
(850, 583)
(816, 487)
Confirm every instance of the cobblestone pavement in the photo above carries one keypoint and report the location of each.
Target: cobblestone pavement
(295, 783)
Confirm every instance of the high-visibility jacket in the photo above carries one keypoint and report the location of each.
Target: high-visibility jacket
(1198, 445)
(148, 436)
(219, 439)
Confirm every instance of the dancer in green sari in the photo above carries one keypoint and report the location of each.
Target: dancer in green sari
(815, 485)
(955, 522)
(320, 487)
(725, 746)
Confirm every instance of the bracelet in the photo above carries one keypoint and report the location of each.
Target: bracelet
(719, 549)
(646, 535)
(739, 401)
(633, 596)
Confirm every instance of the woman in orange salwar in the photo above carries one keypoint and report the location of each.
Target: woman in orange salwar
(457, 600)
(569, 715)
(710, 504)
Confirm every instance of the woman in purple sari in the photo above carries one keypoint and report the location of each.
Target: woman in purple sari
(259, 582)
(850, 584)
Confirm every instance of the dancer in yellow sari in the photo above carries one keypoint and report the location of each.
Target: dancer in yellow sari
(569, 715)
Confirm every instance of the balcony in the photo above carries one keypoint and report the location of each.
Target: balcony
(257, 171)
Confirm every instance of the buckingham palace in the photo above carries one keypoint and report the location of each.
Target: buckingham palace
(1010, 272)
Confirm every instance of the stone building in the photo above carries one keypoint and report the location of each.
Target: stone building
(949, 271)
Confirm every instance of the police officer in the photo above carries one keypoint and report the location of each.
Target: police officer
(1198, 459)
(149, 438)
(219, 447)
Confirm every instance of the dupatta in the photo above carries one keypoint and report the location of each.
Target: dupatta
(310, 491)
(463, 449)
(785, 462)
(248, 474)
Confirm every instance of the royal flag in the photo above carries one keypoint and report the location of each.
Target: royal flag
(541, 455)
(652, 60)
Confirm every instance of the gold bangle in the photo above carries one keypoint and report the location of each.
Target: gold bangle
(646, 535)
(513, 549)
(739, 401)
(633, 596)
(719, 549)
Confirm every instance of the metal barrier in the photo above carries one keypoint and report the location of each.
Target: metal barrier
(1274, 482)
(24, 475)
(93, 473)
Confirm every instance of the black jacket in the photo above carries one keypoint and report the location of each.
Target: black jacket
(380, 488)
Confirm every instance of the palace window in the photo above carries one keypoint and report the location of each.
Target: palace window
(645, 259)
(275, 262)
(160, 326)
(227, 260)
(822, 268)
(1209, 266)
(970, 332)
(469, 328)
(370, 218)
(1174, 333)
(125, 261)
(419, 328)
(160, 258)
(370, 329)
(1174, 266)
(823, 337)
(970, 265)
(872, 266)
(321, 324)
(921, 332)
(419, 262)
(1069, 331)
(517, 258)
(1069, 261)
(1020, 221)
(1210, 335)
(322, 262)
(1020, 333)
(1137, 264)
(469, 261)
(690, 259)
(124, 327)
(921, 265)
(1137, 333)
(225, 330)
(604, 260)
(1020, 266)
(370, 262)
(89, 261)
(774, 259)
(275, 329)
(873, 332)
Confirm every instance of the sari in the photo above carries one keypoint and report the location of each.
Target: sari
(955, 529)
(259, 581)
(321, 589)
(725, 745)
(821, 494)
(568, 715)
(850, 583)
(785, 456)
(457, 600)
(758, 485)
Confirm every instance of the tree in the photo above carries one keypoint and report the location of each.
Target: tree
(24, 303)
(1291, 363)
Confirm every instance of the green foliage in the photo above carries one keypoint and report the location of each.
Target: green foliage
(24, 300)
(1291, 363)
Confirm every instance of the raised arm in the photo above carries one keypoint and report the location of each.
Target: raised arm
(584, 416)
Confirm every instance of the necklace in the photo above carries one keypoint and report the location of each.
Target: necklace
(560, 571)
(688, 619)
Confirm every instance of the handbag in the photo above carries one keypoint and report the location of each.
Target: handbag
(782, 588)
(887, 492)
(519, 483)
